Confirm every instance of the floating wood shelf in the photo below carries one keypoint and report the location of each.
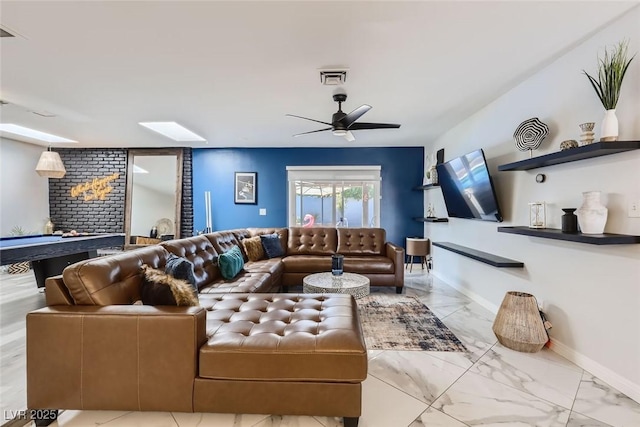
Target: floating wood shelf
(427, 187)
(487, 258)
(597, 149)
(554, 233)
(425, 219)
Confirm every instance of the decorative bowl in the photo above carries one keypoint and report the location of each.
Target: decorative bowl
(568, 144)
(587, 127)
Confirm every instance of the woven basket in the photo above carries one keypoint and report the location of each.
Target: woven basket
(518, 324)
(18, 267)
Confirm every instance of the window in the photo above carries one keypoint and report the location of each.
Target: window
(334, 196)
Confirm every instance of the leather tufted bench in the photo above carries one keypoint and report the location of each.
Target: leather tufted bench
(305, 353)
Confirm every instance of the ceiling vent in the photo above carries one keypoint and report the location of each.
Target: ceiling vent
(333, 77)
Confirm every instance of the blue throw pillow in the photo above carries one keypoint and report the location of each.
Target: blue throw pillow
(181, 268)
(271, 245)
(231, 263)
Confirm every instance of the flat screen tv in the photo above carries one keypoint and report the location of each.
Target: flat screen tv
(467, 188)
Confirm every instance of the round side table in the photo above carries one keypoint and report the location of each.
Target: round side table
(347, 283)
(417, 247)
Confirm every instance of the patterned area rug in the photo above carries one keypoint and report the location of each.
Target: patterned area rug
(399, 322)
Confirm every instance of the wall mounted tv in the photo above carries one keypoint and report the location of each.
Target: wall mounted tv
(467, 188)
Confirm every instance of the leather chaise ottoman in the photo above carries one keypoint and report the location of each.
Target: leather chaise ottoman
(296, 354)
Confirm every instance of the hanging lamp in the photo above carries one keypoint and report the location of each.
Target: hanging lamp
(50, 165)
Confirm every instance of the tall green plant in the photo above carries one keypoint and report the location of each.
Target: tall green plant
(611, 71)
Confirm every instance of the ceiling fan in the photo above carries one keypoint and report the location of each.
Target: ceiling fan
(342, 124)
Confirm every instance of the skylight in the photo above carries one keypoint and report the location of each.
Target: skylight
(31, 133)
(173, 130)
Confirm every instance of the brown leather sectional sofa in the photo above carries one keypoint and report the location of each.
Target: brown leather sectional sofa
(245, 349)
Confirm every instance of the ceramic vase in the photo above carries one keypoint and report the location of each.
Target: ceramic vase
(592, 214)
(569, 221)
(609, 130)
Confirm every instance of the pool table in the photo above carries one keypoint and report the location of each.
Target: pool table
(50, 254)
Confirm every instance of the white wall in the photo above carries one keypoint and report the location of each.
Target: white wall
(590, 293)
(24, 195)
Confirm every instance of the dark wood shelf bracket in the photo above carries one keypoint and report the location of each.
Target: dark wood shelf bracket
(487, 258)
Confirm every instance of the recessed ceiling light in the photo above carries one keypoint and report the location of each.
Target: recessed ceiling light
(31, 133)
(173, 130)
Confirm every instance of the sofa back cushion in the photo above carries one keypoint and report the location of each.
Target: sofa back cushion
(312, 241)
(223, 241)
(200, 252)
(113, 279)
(361, 241)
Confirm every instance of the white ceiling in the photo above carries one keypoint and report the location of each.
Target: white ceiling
(230, 71)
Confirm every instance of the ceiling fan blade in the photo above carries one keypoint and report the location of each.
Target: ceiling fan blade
(355, 115)
(361, 126)
(312, 131)
(349, 136)
(307, 118)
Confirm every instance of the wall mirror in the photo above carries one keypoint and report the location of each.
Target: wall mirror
(154, 195)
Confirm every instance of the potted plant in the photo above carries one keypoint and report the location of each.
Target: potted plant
(611, 70)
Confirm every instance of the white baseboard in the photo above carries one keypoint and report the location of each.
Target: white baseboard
(615, 380)
(474, 296)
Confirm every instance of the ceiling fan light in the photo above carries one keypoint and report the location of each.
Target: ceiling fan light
(50, 165)
(339, 132)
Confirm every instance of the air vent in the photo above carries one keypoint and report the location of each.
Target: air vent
(4, 33)
(333, 77)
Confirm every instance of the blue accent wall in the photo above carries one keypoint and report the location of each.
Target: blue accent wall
(213, 170)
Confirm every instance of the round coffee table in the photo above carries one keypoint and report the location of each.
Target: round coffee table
(347, 283)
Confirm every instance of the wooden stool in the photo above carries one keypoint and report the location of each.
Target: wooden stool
(417, 247)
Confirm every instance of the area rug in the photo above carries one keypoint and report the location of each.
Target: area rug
(400, 322)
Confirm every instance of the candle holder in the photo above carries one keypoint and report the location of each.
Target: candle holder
(337, 264)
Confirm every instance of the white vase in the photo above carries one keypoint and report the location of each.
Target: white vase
(609, 131)
(592, 215)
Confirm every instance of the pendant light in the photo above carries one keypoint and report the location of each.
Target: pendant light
(50, 165)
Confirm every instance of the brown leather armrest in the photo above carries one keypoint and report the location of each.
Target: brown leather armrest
(396, 253)
(117, 357)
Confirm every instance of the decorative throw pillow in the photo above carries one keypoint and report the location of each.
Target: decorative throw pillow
(271, 245)
(231, 263)
(253, 248)
(181, 268)
(159, 288)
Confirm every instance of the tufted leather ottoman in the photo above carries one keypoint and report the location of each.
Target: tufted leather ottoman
(297, 354)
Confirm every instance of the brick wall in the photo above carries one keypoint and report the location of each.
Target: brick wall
(73, 212)
(186, 214)
(93, 216)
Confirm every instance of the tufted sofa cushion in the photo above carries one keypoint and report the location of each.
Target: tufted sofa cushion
(200, 252)
(361, 241)
(283, 337)
(312, 241)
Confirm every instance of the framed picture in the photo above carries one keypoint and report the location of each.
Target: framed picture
(246, 187)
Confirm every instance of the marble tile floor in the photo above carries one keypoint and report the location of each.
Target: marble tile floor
(487, 385)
